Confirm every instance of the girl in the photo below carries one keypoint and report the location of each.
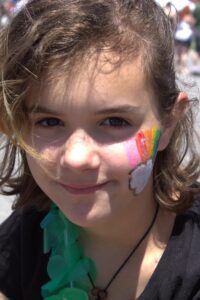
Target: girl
(91, 114)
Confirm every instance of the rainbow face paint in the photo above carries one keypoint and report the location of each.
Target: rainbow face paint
(141, 153)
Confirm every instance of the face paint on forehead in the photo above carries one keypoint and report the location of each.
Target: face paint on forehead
(141, 152)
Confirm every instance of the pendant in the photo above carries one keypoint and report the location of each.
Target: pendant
(99, 294)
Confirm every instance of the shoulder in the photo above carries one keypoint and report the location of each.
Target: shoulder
(21, 227)
(177, 275)
(183, 253)
(195, 208)
(20, 250)
(187, 223)
(192, 214)
(20, 221)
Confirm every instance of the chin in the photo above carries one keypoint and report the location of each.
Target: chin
(87, 218)
(85, 211)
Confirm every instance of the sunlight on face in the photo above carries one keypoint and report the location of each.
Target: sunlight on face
(86, 132)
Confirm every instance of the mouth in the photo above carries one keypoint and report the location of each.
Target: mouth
(82, 189)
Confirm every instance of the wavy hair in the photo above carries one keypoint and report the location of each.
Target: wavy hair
(62, 33)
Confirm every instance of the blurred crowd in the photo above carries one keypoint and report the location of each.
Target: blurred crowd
(184, 14)
(8, 8)
(185, 17)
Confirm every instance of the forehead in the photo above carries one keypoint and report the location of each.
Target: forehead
(95, 82)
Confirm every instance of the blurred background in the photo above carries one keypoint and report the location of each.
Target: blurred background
(8, 8)
(185, 18)
(184, 15)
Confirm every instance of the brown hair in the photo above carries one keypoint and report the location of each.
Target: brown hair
(61, 33)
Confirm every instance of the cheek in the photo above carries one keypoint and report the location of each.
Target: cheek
(142, 147)
(35, 169)
(42, 175)
(47, 148)
(115, 156)
(132, 153)
(50, 155)
(139, 177)
(47, 164)
(141, 152)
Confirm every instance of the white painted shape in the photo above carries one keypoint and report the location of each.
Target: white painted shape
(140, 176)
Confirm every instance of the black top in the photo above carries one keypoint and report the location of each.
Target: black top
(23, 265)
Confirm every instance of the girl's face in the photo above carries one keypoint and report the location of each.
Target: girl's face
(97, 135)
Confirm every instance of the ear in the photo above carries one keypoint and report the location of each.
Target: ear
(180, 108)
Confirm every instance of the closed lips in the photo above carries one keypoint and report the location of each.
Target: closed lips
(83, 188)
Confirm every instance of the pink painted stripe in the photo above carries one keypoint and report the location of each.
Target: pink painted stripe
(133, 153)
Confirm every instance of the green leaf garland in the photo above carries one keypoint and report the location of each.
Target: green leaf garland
(67, 267)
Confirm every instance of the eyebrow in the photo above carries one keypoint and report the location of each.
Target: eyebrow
(119, 109)
(41, 109)
(110, 110)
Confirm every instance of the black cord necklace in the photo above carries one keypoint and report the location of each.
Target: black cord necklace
(101, 294)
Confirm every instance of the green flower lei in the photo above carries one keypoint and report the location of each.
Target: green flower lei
(67, 267)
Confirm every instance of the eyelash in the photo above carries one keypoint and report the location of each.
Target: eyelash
(114, 122)
(46, 122)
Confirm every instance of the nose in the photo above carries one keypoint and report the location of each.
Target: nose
(80, 153)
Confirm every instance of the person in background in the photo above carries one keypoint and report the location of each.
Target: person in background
(184, 34)
(196, 14)
(4, 17)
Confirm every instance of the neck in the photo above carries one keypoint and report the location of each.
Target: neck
(123, 230)
(102, 253)
(101, 249)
